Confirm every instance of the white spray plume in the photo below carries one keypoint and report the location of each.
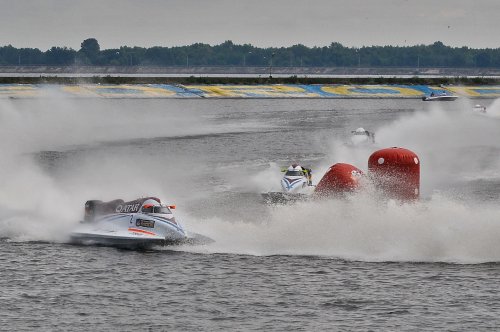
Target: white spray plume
(451, 145)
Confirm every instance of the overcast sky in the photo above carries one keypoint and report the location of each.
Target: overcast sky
(264, 23)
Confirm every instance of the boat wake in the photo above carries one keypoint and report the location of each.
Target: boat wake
(364, 228)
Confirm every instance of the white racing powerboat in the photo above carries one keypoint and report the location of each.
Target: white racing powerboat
(141, 223)
(361, 136)
(441, 96)
(479, 109)
(296, 184)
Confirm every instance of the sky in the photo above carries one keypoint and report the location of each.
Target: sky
(263, 23)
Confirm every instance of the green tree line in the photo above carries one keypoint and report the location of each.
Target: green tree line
(230, 54)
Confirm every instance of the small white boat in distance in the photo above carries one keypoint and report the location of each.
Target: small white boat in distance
(362, 136)
(296, 185)
(442, 96)
(479, 108)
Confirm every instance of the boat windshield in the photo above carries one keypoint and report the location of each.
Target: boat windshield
(161, 209)
(294, 173)
(156, 209)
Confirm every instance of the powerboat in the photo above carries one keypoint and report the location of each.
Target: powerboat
(441, 96)
(296, 184)
(479, 108)
(296, 178)
(362, 136)
(141, 223)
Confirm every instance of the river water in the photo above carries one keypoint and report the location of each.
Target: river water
(353, 264)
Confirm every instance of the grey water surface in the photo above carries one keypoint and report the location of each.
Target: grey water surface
(312, 266)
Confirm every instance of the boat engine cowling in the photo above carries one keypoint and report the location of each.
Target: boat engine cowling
(339, 179)
(94, 208)
(396, 172)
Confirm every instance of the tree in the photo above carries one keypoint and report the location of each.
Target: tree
(90, 46)
(59, 56)
(89, 51)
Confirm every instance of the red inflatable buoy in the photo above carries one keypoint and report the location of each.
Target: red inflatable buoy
(396, 171)
(340, 178)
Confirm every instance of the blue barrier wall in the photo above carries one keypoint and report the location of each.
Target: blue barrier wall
(241, 91)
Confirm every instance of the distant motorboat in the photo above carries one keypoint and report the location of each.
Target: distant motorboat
(362, 136)
(479, 108)
(443, 96)
(296, 185)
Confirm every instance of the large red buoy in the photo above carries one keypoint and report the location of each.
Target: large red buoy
(340, 178)
(396, 171)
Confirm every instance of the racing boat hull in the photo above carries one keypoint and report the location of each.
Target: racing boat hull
(129, 230)
(125, 242)
(439, 98)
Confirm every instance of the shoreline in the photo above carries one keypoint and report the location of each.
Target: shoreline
(247, 91)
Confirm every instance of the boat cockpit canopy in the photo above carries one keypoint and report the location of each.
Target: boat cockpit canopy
(156, 209)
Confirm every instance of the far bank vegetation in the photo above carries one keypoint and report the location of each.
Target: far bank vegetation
(230, 54)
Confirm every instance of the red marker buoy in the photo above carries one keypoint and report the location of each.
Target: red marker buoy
(340, 178)
(396, 171)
